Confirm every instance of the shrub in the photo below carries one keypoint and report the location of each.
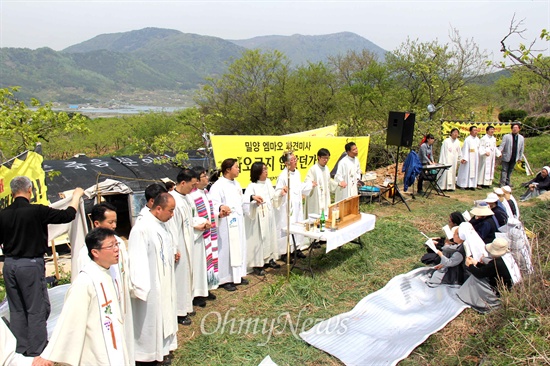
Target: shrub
(511, 115)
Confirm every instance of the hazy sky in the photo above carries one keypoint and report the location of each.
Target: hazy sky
(59, 24)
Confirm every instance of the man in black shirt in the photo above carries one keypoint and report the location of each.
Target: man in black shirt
(24, 236)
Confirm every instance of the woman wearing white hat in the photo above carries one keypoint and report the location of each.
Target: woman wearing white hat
(483, 221)
(538, 185)
(481, 290)
(498, 209)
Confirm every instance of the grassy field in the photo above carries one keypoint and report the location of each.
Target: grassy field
(265, 317)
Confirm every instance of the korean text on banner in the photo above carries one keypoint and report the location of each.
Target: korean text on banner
(270, 149)
(501, 129)
(30, 167)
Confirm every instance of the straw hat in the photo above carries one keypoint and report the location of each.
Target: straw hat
(492, 197)
(497, 248)
(482, 209)
(507, 189)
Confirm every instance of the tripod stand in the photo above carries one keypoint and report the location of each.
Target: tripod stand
(397, 192)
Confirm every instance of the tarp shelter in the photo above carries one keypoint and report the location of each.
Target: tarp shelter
(136, 172)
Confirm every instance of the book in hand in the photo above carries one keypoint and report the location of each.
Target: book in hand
(448, 232)
(466, 216)
(430, 244)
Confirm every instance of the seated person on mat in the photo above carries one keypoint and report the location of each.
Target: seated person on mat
(481, 290)
(455, 219)
(538, 185)
(483, 221)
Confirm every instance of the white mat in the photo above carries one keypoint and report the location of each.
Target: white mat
(388, 324)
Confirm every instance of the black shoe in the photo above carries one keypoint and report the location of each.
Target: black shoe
(283, 258)
(199, 301)
(193, 313)
(229, 287)
(273, 264)
(258, 271)
(244, 281)
(299, 254)
(184, 320)
(211, 296)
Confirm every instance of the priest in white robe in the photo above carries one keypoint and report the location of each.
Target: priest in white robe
(206, 239)
(296, 211)
(90, 329)
(152, 261)
(348, 173)
(227, 197)
(319, 175)
(469, 165)
(182, 234)
(104, 216)
(450, 154)
(259, 204)
(151, 192)
(488, 153)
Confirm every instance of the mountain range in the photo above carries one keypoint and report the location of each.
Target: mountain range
(150, 59)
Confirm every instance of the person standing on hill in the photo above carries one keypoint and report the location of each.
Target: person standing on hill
(24, 236)
(467, 172)
(450, 155)
(512, 151)
(488, 153)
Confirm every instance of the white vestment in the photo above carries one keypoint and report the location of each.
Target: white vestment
(181, 233)
(486, 172)
(259, 220)
(297, 190)
(78, 335)
(348, 171)
(319, 197)
(450, 155)
(467, 172)
(507, 208)
(121, 274)
(8, 343)
(151, 259)
(231, 233)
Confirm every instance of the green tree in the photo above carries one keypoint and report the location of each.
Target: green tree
(21, 126)
(250, 98)
(526, 55)
(436, 75)
(366, 92)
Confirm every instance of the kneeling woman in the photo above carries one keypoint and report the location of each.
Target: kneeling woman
(481, 290)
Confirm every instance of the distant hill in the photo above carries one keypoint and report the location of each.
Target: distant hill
(300, 49)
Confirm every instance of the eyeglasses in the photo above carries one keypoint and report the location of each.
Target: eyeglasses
(110, 247)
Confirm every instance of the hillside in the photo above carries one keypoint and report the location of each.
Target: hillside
(300, 48)
(149, 60)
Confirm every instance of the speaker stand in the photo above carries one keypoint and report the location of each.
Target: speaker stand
(397, 191)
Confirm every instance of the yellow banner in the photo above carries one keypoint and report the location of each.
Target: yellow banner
(329, 131)
(501, 129)
(270, 149)
(30, 167)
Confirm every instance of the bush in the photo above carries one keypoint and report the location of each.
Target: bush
(511, 115)
(535, 125)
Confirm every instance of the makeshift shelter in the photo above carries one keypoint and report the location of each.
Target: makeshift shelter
(121, 180)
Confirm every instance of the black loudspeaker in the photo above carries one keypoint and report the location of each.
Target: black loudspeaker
(400, 129)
